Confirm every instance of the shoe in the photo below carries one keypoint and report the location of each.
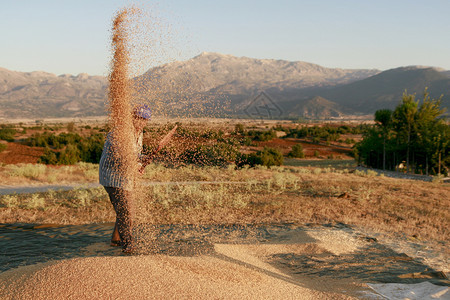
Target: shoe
(115, 244)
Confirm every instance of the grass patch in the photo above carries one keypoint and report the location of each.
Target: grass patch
(254, 195)
(29, 171)
(26, 174)
(321, 163)
(79, 206)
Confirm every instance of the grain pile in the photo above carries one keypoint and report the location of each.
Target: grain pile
(149, 277)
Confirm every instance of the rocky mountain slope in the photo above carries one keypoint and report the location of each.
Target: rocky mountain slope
(385, 89)
(213, 84)
(40, 95)
(214, 72)
(230, 84)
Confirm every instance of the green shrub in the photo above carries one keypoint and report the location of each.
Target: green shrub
(250, 160)
(267, 157)
(239, 128)
(75, 148)
(71, 126)
(2, 147)
(220, 154)
(69, 156)
(49, 157)
(316, 140)
(271, 157)
(349, 141)
(91, 148)
(247, 141)
(7, 134)
(297, 151)
(262, 136)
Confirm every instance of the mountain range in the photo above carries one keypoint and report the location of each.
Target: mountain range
(213, 84)
(42, 95)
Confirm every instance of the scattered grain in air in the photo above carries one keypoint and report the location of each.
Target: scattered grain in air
(141, 39)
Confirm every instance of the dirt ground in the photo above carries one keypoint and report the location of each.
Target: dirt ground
(309, 148)
(16, 153)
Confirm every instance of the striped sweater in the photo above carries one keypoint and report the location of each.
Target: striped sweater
(109, 174)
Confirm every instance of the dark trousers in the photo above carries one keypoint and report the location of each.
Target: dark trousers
(122, 202)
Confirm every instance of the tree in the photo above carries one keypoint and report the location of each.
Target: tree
(416, 134)
(431, 129)
(403, 119)
(369, 150)
(383, 119)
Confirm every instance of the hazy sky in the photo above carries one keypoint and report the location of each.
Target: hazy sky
(60, 36)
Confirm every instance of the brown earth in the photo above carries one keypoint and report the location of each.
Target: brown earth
(17, 153)
(309, 148)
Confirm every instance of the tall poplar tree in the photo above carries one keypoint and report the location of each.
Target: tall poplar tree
(383, 119)
(403, 119)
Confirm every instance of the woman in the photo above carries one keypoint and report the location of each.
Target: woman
(116, 183)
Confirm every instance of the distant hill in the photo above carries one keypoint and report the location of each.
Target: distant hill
(316, 108)
(228, 83)
(213, 84)
(214, 72)
(40, 95)
(385, 89)
(294, 88)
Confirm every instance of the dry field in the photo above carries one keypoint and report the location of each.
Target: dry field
(303, 191)
(404, 214)
(211, 195)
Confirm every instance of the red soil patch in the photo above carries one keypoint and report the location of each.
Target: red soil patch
(17, 153)
(279, 143)
(285, 145)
